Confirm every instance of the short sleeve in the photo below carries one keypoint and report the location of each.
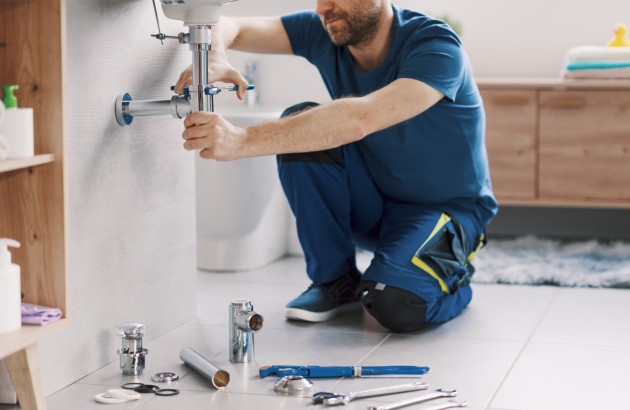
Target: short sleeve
(435, 58)
(306, 34)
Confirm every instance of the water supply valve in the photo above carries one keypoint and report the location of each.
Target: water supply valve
(132, 354)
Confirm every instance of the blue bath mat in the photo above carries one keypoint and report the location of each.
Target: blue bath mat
(535, 261)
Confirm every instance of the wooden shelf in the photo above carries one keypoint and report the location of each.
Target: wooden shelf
(552, 83)
(28, 335)
(22, 163)
(33, 198)
(562, 203)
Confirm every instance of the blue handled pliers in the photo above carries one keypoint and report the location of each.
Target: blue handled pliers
(339, 371)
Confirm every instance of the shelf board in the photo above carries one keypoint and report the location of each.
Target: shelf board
(564, 203)
(28, 335)
(21, 163)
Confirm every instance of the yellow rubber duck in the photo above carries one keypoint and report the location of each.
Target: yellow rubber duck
(619, 39)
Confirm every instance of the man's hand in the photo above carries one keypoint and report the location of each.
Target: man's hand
(214, 136)
(218, 70)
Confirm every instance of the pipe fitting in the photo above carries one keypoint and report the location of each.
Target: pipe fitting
(132, 354)
(211, 372)
(244, 322)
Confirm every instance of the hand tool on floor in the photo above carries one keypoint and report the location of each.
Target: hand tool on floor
(340, 371)
(333, 399)
(397, 405)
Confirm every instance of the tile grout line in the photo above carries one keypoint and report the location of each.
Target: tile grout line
(365, 357)
(525, 344)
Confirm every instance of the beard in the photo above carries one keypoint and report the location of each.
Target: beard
(351, 30)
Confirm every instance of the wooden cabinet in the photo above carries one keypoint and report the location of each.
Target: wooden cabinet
(558, 142)
(33, 193)
(511, 141)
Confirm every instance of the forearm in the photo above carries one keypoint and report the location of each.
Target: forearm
(327, 126)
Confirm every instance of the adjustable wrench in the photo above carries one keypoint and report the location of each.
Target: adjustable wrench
(333, 399)
(435, 395)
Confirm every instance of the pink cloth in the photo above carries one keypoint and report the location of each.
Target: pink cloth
(39, 315)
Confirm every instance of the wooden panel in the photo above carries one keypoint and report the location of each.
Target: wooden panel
(32, 200)
(25, 372)
(585, 145)
(511, 142)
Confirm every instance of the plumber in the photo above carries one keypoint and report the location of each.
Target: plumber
(395, 164)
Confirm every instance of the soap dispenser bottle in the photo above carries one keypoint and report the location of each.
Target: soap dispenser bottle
(17, 126)
(10, 291)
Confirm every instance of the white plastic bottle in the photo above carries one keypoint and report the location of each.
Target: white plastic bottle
(17, 126)
(10, 289)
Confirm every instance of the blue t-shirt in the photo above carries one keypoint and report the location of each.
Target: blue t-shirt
(437, 157)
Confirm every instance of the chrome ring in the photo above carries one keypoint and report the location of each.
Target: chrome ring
(165, 377)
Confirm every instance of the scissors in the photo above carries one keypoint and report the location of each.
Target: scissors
(339, 371)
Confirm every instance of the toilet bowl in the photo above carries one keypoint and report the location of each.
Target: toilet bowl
(242, 213)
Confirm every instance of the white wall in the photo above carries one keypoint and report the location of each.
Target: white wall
(504, 38)
(132, 233)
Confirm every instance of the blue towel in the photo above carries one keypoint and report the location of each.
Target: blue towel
(589, 65)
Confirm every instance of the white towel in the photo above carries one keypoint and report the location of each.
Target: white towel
(598, 73)
(595, 53)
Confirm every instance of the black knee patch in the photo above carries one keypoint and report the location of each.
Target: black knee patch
(394, 308)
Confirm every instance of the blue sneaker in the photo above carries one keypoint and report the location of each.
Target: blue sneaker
(323, 301)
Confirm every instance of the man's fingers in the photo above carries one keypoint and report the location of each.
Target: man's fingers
(237, 79)
(185, 79)
(200, 118)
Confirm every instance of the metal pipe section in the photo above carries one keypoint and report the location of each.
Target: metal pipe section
(199, 38)
(219, 378)
(126, 108)
(244, 322)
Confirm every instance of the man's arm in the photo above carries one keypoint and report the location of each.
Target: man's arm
(254, 34)
(327, 126)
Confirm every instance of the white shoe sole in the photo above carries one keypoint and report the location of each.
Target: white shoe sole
(308, 316)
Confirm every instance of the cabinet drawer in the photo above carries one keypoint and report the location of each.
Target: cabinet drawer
(511, 141)
(585, 145)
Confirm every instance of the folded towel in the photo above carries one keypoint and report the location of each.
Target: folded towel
(39, 315)
(589, 53)
(598, 73)
(586, 65)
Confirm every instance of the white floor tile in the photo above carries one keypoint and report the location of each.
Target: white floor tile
(475, 368)
(500, 312)
(567, 377)
(81, 396)
(587, 316)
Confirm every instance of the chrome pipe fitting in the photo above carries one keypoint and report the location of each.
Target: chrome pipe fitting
(198, 97)
(244, 322)
(132, 354)
(199, 43)
(219, 378)
(126, 108)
